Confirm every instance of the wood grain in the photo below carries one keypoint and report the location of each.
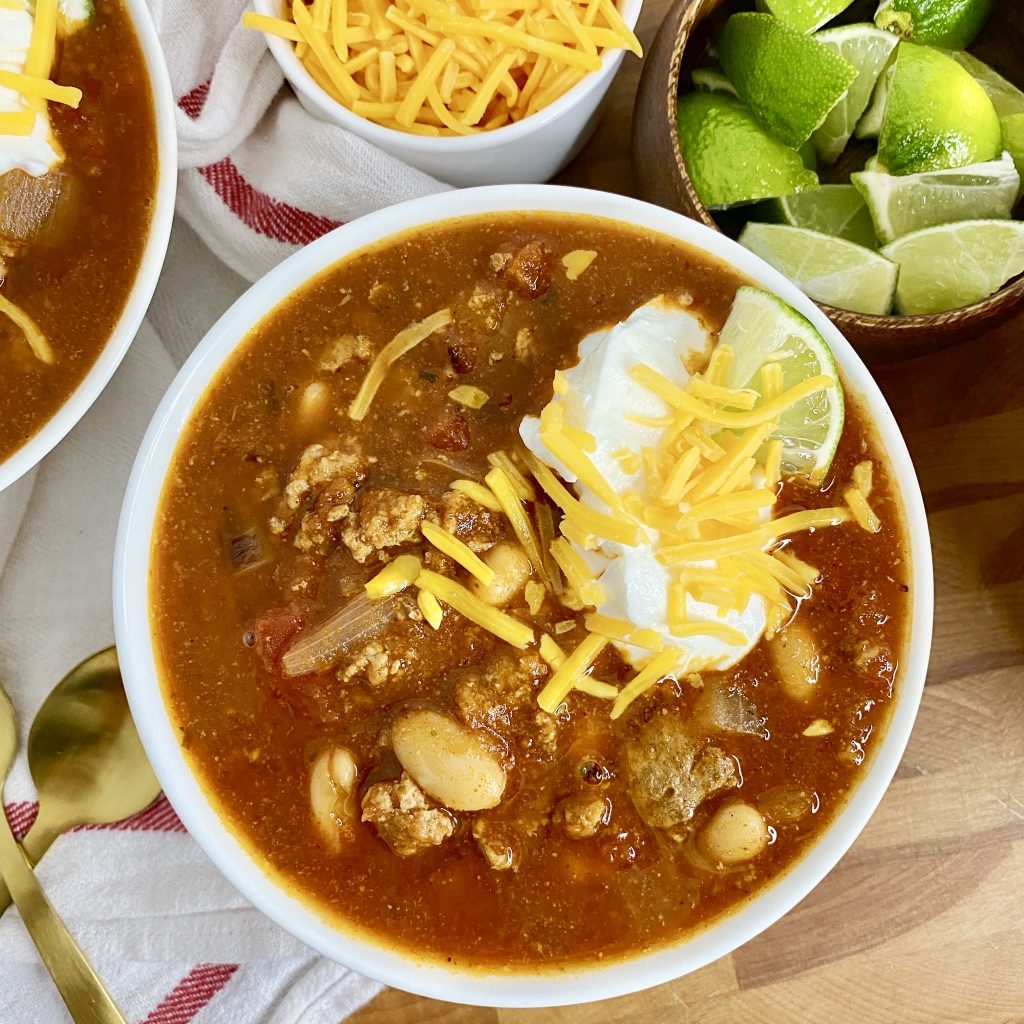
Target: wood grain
(923, 920)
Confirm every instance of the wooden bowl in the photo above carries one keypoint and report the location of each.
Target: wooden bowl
(681, 45)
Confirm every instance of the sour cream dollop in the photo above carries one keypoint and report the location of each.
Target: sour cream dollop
(39, 151)
(603, 399)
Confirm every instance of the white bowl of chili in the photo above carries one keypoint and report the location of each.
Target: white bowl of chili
(137, 615)
(533, 149)
(89, 288)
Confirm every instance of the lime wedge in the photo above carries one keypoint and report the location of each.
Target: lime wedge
(937, 115)
(1005, 96)
(870, 123)
(761, 327)
(790, 81)
(912, 202)
(1013, 139)
(867, 48)
(954, 265)
(806, 15)
(949, 23)
(712, 80)
(828, 269)
(730, 158)
(837, 210)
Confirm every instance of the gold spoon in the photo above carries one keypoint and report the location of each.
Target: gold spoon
(85, 757)
(80, 988)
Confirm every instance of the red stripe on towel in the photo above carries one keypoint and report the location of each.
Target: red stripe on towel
(258, 211)
(192, 993)
(159, 816)
(262, 213)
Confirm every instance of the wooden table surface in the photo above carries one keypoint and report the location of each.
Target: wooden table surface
(923, 920)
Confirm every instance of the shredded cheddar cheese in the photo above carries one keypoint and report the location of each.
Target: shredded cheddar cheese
(469, 396)
(862, 511)
(863, 477)
(534, 593)
(577, 261)
(573, 668)
(394, 577)
(456, 596)
(403, 342)
(433, 68)
(480, 494)
(655, 670)
(501, 486)
(523, 488)
(41, 88)
(41, 348)
(429, 607)
(456, 549)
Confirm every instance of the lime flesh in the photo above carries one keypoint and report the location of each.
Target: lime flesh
(790, 81)
(868, 49)
(954, 265)
(837, 210)
(806, 15)
(729, 156)
(871, 120)
(949, 23)
(937, 115)
(761, 327)
(712, 80)
(825, 268)
(899, 205)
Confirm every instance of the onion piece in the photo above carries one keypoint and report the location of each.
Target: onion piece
(726, 708)
(318, 648)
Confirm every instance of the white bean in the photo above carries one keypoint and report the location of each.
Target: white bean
(797, 660)
(737, 832)
(447, 760)
(512, 569)
(332, 785)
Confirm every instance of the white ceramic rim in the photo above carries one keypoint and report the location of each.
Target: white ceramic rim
(331, 110)
(97, 376)
(131, 617)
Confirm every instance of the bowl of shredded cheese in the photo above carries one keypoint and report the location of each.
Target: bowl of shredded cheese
(473, 92)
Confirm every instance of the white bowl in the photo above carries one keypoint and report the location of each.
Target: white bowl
(135, 647)
(95, 380)
(531, 150)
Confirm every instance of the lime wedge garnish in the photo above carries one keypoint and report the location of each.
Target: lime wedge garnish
(730, 158)
(870, 123)
(790, 81)
(911, 202)
(837, 210)
(1005, 96)
(954, 265)
(828, 269)
(761, 327)
(806, 15)
(867, 48)
(712, 80)
(937, 115)
(949, 23)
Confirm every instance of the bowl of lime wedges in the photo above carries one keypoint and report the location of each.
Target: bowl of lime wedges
(873, 152)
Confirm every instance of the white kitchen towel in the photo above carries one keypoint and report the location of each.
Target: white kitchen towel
(258, 177)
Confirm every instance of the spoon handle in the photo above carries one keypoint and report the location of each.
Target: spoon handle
(33, 846)
(77, 982)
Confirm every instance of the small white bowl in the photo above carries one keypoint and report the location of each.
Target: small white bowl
(531, 150)
(132, 611)
(95, 380)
